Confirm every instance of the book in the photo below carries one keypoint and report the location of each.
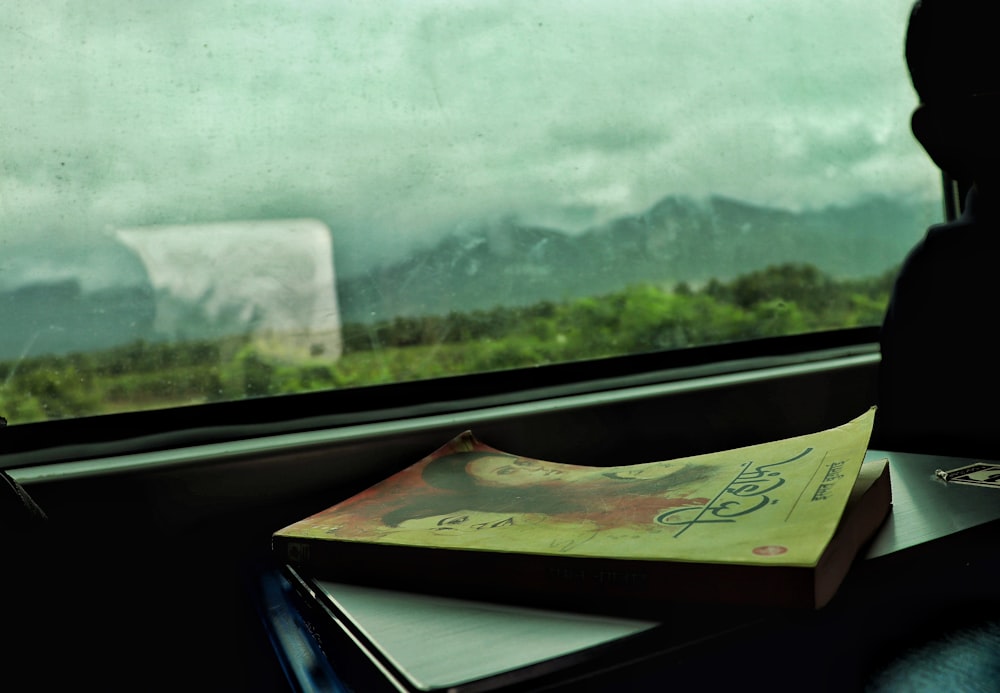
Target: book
(377, 639)
(775, 524)
(390, 640)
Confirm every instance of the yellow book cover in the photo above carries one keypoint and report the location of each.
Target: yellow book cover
(775, 504)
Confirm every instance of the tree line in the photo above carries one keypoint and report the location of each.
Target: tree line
(780, 300)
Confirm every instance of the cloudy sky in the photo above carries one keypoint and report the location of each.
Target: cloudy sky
(396, 121)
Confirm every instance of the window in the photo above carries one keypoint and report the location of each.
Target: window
(208, 202)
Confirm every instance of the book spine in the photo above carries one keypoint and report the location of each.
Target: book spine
(349, 654)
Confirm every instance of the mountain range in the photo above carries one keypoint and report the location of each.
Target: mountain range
(504, 262)
(677, 239)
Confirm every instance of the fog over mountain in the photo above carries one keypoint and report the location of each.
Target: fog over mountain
(678, 239)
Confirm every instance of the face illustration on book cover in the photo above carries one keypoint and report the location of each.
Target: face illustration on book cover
(467, 486)
(495, 490)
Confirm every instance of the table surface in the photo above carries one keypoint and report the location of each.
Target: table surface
(924, 508)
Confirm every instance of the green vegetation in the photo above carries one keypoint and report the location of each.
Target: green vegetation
(781, 300)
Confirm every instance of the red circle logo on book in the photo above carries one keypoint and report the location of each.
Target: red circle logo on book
(770, 550)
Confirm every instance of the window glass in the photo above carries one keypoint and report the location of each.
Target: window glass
(204, 201)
